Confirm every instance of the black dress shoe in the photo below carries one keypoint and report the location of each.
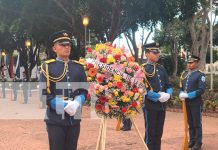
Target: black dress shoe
(125, 128)
(191, 144)
(196, 147)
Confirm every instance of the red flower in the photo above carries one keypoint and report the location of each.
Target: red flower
(89, 66)
(102, 99)
(105, 109)
(117, 57)
(88, 96)
(119, 85)
(100, 79)
(103, 60)
(134, 104)
(123, 110)
(98, 107)
(135, 90)
(89, 49)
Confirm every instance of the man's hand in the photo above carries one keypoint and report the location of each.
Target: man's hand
(183, 95)
(164, 97)
(71, 107)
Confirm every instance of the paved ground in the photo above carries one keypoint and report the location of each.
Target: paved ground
(22, 128)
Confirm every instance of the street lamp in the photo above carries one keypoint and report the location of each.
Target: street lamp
(28, 44)
(85, 23)
(3, 53)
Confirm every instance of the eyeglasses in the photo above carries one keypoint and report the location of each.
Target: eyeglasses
(190, 62)
(64, 44)
(155, 52)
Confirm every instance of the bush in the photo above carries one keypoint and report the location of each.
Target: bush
(215, 81)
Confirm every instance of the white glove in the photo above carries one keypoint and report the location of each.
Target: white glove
(183, 95)
(164, 97)
(71, 107)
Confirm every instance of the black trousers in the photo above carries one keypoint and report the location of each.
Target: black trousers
(154, 123)
(194, 115)
(63, 137)
(127, 123)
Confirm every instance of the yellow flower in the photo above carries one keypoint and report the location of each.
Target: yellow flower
(89, 78)
(125, 64)
(110, 59)
(117, 51)
(116, 77)
(82, 60)
(97, 92)
(140, 98)
(116, 93)
(125, 99)
(110, 84)
(100, 47)
(112, 102)
(132, 113)
(131, 93)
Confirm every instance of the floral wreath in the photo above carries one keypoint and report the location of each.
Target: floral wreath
(117, 80)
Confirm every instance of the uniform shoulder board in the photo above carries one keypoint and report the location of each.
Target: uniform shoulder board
(50, 61)
(159, 65)
(183, 73)
(201, 71)
(77, 62)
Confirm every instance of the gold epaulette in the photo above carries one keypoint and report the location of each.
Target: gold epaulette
(200, 71)
(143, 64)
(50, 61)
(77, 62)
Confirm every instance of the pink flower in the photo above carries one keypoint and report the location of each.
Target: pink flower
(131, 64)
(139, 74)
(123, 58)
(123, 89)
(118, 66)
(129, 70)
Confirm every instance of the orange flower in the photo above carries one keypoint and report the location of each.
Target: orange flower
(92, 72)
(131, 59)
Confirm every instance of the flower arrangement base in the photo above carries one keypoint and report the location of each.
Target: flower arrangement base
(102, 134)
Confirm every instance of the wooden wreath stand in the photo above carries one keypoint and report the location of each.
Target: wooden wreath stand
(185, 140)
(102, 133)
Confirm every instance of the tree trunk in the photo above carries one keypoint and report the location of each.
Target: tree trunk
(174, 57)
(200, 36)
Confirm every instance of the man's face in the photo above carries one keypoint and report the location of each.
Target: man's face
(192, 65)
(153, 56)
(62, 49)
